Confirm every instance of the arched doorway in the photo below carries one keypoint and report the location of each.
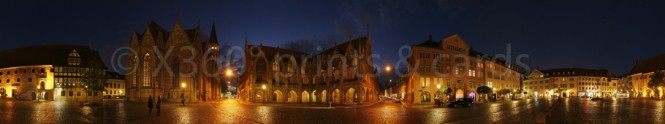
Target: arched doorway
(42, 85)
(459, 94)
(335, 96)
(293, 97)
(314, 96)
(277, 96)
(351, 95)
(324, 97)
(425, 97)
(366, 95)
(2, 92)
(304, 97)
(472, 95)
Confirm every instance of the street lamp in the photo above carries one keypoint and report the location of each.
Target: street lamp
(229, 72)
(86, 93)
(38, 88)
(264, 94)
(388, 68)
(182, 94)
(229, 77)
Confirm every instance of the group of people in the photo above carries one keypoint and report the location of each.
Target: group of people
(158, 105)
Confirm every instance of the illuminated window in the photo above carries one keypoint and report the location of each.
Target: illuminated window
(422, 82)
(146, 70)
(74, 58)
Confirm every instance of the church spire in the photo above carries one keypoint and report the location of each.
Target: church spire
(213, 34)
(245, 40)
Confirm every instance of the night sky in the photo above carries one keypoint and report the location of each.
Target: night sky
(554, 33)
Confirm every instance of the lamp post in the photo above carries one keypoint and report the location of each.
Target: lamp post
(264, 94)
(660, 92)
(494, 93)
(229, 76)
(86, 93)
(37, 94)
(388, 69)
(182, 94)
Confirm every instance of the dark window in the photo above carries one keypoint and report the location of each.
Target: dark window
(71, 93)
(78, 93)
(62, 93)
(29, 79)
(18, 80)
(41, 70)
(24, 71)
(33, 70)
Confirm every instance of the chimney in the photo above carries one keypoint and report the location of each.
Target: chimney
(430, 38)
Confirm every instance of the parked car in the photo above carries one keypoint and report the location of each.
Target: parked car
(464, 102)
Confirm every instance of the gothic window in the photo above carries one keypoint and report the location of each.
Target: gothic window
(146, 70)
(176, 73)
(135, 78)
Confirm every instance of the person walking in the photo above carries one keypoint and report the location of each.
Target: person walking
(159, 101)
(150, 105)
(182, 99)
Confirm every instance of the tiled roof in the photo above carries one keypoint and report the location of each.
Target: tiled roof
(55, 55)
(430, 44)
(115, 75)
(341, 48)
(270, 52)
(649, 64)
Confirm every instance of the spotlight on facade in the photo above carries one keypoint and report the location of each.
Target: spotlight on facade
(183, 85)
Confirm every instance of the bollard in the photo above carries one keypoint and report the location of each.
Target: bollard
(540, 118)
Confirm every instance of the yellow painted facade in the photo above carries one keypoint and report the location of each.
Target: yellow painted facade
(571, 82)
(23, 81)
(450, 63)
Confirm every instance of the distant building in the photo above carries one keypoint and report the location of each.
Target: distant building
(48, 72)
(641, 74)
(338, 75)
(435, 66)
(571, 82)
(193, 74)
(115, 87)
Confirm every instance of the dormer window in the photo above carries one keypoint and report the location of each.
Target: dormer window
(74, 58)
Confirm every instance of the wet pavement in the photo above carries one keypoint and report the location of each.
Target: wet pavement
(609, 111)
(229, 111)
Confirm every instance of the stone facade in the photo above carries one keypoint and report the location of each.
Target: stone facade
(571, 82)
(115, 88)
(181, 64)
(48, 72)
(343, 74)
(435, 66)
